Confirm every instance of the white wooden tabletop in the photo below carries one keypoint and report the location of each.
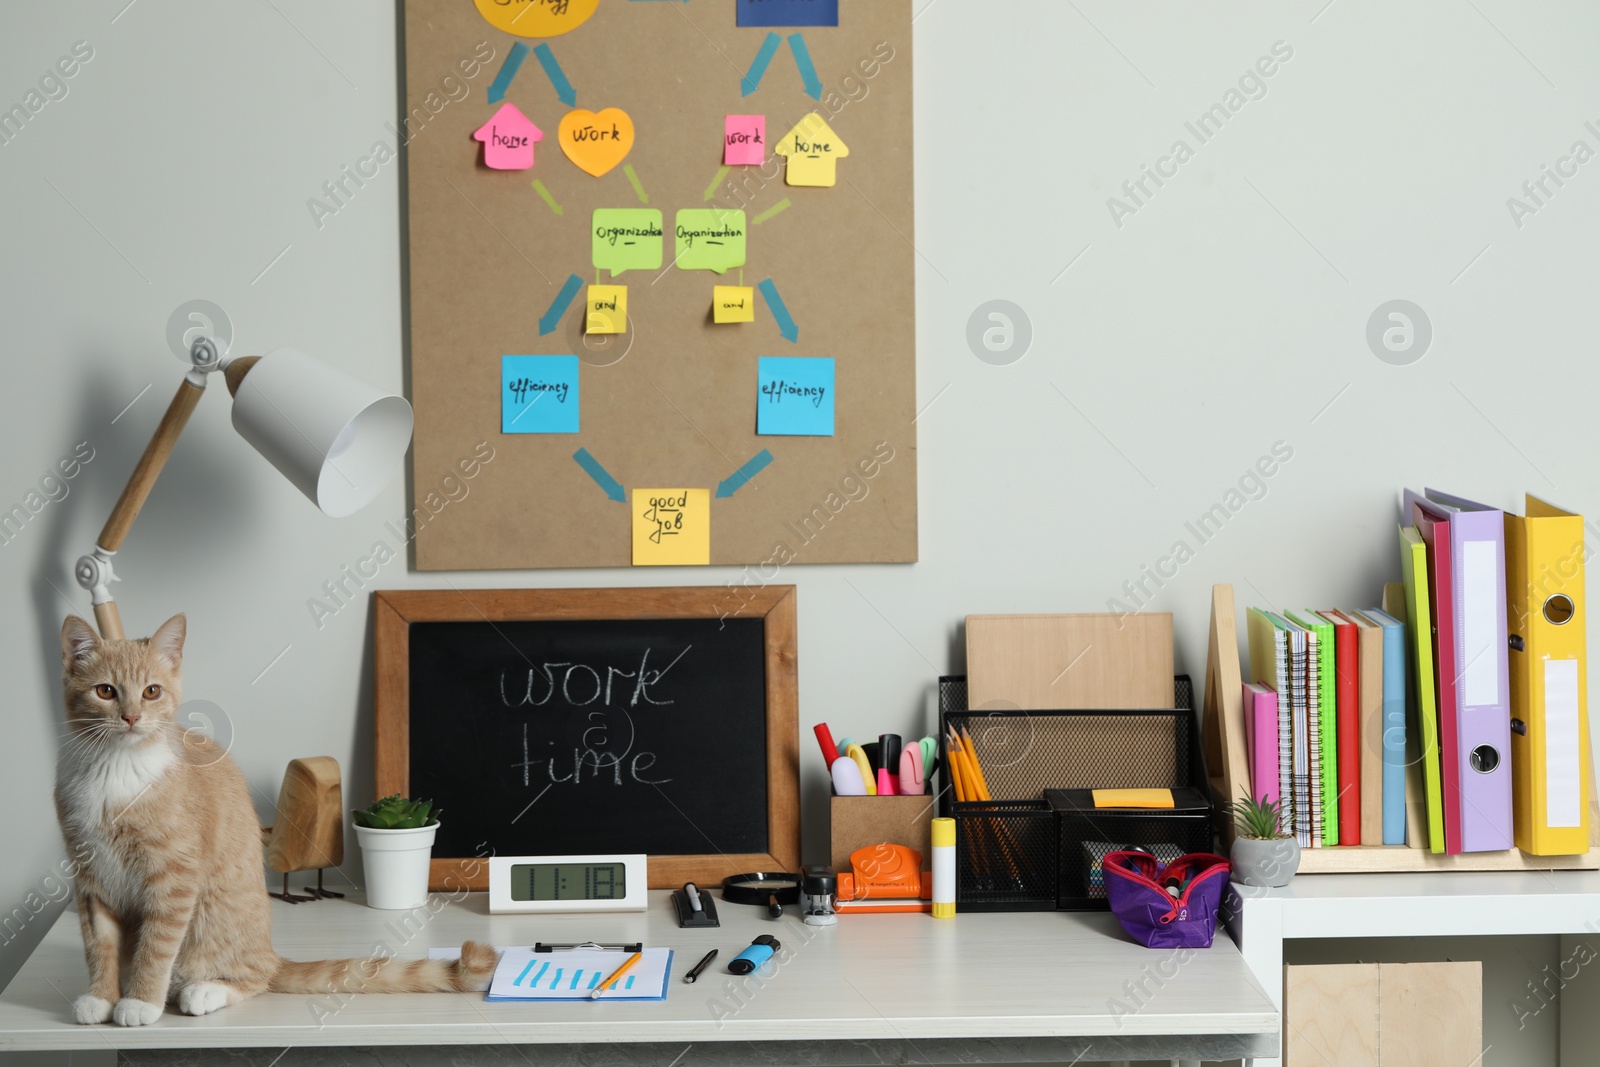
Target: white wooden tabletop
(902, 979)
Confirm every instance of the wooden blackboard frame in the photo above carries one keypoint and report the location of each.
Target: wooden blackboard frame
(395, 610)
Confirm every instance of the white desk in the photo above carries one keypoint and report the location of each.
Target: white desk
(1035, 986)
(1410, 905)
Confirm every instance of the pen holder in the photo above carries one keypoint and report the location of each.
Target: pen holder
(858, 822)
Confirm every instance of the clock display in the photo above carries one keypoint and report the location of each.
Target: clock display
(568, 881)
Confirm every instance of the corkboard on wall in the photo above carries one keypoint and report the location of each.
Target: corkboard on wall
(673, 402)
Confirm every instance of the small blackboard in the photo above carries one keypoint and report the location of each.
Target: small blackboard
(562, 722)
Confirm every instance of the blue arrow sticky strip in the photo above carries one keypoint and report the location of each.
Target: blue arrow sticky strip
(758, 69)
(808, 70)
(601, 476)
(739, 478)
(508, 70)
(780, 312)
(557, 76)
(558, 307)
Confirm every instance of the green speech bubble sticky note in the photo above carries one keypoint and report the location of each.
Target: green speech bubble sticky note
(628, 238)
(710, 239)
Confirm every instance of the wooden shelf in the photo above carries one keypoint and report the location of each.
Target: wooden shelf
(1223, 734)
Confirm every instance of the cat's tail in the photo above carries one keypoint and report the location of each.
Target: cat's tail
(471, 973)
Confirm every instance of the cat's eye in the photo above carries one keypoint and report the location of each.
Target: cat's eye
(151, 692)
(105, 692)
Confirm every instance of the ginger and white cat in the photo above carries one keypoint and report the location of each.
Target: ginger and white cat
(172, 898)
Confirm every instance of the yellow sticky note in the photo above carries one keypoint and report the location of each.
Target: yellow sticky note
(1132, 798)
(733, 303)
(671, 527)
(608, 309)
(813, 151)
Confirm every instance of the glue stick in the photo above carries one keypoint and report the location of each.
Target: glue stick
(944, 868)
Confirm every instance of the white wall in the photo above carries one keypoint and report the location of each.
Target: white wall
(1226, 314)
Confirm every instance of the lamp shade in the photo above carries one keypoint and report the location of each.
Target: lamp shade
(338, 439)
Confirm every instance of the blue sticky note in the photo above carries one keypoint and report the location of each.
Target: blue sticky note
(795, 396)
(538, 394)
(788, 12)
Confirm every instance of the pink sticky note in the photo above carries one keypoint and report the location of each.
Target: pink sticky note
(508, 139)
(745, 143)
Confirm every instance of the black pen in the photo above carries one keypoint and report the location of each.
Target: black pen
(695, 972)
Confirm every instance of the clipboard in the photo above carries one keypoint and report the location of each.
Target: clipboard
(571, 972)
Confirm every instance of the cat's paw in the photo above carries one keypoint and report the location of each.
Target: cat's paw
(203, 998)
(89, 1009)
(130, 1012)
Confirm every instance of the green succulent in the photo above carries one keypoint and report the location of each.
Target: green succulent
(1253, 819)
(397, 813)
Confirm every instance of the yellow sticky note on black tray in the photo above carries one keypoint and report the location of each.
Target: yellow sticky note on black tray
(1132, 798)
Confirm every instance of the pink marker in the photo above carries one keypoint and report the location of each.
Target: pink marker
(911, 783)
(885, 783)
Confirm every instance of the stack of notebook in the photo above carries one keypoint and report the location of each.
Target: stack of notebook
(1475, 678)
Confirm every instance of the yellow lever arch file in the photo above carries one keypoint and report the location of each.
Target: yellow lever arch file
(1545, 609)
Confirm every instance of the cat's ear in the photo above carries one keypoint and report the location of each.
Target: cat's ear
(79, 642)
(167, 642)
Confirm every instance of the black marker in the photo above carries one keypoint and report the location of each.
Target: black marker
(695, 971)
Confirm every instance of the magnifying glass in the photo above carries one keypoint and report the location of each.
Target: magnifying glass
(772, 889)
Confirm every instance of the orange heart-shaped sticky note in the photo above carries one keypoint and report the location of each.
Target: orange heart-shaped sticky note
(596, 142)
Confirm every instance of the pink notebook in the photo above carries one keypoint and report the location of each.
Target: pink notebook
(1261, 741)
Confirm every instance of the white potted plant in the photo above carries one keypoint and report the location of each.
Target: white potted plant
(396, 836)
(1264, 853)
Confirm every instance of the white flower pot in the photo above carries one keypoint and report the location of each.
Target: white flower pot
(396, 865)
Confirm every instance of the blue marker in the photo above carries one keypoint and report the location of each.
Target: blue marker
(759, 952)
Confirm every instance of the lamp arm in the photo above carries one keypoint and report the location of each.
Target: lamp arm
(94, 572)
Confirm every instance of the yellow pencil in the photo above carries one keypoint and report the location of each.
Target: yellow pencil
(618, 973)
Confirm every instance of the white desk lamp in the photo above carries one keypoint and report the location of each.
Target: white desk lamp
(336, 438)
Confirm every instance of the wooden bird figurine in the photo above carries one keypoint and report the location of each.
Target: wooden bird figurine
(308, 833)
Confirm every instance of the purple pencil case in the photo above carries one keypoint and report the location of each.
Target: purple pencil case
(1136, 883)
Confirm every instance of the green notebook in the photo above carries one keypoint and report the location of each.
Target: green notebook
(1327, 695)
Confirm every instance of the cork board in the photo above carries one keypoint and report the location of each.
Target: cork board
(673, 402)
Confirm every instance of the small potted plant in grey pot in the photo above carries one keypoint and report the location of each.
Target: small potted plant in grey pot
(396, 836)
(1264, 853)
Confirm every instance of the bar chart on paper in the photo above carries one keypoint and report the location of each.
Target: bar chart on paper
(573, 974)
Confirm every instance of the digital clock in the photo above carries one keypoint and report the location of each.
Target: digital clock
(567, 883)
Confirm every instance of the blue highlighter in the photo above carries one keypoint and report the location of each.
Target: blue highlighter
(759, 952)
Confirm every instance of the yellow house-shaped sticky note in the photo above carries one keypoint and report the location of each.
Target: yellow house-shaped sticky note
(608, 309)
(671, 527)
(733, 303)
(813, 151)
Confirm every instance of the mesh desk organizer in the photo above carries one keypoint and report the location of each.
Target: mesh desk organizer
(1038, 844)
